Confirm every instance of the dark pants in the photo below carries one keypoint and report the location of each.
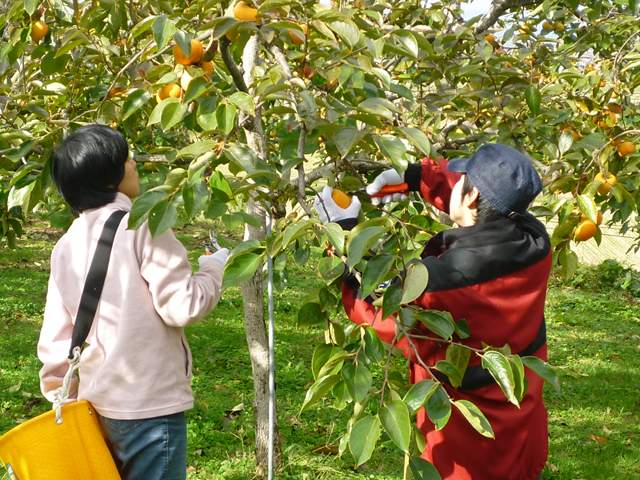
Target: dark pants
(149, 448)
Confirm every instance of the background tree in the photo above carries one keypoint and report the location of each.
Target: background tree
(240, 112)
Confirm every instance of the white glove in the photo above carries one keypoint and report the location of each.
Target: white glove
(216, 259)
(388, 177)
(332, 209)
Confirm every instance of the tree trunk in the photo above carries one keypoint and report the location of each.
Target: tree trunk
(253, 295)
(255, 332)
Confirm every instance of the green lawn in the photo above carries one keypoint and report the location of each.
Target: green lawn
(594, 340)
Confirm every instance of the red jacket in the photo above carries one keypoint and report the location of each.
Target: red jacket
(495, 276)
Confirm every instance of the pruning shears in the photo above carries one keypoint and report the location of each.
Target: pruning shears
(211, 245)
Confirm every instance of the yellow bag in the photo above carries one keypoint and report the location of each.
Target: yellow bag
(41, 449)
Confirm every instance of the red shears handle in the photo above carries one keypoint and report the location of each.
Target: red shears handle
(390, 189)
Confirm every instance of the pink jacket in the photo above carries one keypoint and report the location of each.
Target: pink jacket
(137, 363)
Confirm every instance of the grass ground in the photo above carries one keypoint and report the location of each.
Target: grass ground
(594, 341)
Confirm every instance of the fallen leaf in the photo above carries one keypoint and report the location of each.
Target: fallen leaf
(599, 439)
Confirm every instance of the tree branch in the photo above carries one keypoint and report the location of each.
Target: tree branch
(499, 7)
(238, 79)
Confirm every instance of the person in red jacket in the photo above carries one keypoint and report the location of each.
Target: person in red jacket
(492, 271)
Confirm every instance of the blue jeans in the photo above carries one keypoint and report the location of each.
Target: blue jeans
(149, 448)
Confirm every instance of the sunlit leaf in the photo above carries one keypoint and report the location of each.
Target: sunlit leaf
(475, 417)
(500, 369)
(363, 438)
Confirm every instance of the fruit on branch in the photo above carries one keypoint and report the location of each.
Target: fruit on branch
(194, 57)
(606, 183)
(39, 30)
(626, 148)
(169, 90)
(585, 230)
(342, 199)
(244, 13)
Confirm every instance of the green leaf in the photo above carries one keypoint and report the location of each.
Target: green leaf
(243, 101)
(172, 114)
(320, 356)
(134, 102)
(240, 268)
(462, 329)
(222, 25)
(439, 408)
(197, 87)
(52, 64)
(458, 356)
(519, 379)
(415, 282)
(345, 138)
(142, 26)
(395, 420)
(162, 217)
(360, 243)
(451, 371)
(347, 31)
(588, 207)
(363, 438)
(375, 272)
(334, 364)
(358, 379)
(330, 268)
(30, 6)
(533, 97)
(163, 30)
(500, 369)
(336, 236)
(419, 393)
(20, 197)
(295, 231)
(393, 150)
(423, 470)
(206, 114)
(196, 149)
(156, 113)
(417, 138)
(226, 117)
(439, 322)
(391, 300)
(407, 42)
(373, 346)
(378, 106)
(183, 40)
(475, 418)
(220, 185)
(142, 205)
(319, 389)
(311, 314)
(542, 369)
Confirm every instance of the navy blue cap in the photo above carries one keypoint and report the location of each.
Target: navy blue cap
(502, 175)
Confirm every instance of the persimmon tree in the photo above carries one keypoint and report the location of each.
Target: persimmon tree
(241, 112)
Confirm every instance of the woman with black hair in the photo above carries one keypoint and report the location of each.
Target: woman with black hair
(136, 366)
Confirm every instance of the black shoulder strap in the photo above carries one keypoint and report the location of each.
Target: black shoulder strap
(95, 281)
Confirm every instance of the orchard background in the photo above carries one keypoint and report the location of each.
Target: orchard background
(239, 112)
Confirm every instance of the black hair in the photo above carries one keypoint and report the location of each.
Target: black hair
(88, 166)
(485, 211)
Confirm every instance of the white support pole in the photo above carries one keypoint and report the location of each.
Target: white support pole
(272, 364)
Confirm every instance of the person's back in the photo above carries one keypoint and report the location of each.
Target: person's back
(136, 366)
